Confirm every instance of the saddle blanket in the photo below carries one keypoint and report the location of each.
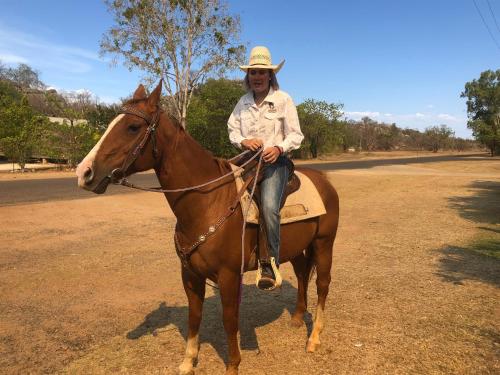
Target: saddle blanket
(302, 204)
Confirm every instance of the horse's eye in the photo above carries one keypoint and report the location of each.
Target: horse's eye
(133, 129)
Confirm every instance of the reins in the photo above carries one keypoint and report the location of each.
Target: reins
(124, 182)
(117, 177)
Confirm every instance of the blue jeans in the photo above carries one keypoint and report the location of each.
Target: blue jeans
(272, 188)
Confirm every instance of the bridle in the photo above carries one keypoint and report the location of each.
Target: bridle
(117, 175)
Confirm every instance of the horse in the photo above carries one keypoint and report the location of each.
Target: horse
(144, 137)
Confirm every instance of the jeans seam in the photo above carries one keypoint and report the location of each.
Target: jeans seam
(279, 213)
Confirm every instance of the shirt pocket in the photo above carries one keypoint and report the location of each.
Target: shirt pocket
(247, 122)
(275, 122)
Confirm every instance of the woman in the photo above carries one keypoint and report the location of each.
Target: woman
(266, 117)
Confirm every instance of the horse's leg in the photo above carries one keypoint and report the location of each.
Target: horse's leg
(229, 285)
(323, 259)
(302, 266)
(195, 291)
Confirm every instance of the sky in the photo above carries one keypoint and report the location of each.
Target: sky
(395, 61)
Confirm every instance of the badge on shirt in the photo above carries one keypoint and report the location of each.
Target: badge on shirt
(271, 108)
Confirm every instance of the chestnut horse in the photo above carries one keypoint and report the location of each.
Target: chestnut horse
(144, 137)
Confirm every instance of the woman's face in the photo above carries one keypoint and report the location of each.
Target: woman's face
(259, 80)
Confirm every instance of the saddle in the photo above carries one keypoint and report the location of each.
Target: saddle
(249, 171)
(248, 175)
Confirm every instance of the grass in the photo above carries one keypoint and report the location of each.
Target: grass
(487, 246)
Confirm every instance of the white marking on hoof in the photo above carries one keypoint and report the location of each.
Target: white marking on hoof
(313, 343)
(312, 346)
(186, 367)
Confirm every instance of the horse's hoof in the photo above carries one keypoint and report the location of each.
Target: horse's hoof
(312, 346)
(296, 322)
(186, 370)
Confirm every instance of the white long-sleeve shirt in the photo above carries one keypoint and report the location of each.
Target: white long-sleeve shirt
(275, 121)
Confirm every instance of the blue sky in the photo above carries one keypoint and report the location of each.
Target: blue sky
(394, 61)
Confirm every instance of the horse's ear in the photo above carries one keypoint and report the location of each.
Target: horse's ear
(154, 98)
(140, 93)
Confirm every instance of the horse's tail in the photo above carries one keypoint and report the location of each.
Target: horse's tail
(310, 264)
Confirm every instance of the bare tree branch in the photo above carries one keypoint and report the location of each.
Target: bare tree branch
(182, 41)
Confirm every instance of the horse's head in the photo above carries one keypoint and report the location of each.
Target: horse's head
(126, 146)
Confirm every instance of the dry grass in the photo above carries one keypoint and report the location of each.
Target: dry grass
(93, 286)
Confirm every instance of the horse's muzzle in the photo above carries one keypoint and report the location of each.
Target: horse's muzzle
(88, 176)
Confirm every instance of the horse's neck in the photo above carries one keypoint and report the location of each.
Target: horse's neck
(184, 163)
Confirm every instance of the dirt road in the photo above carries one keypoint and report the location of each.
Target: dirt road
(92, 286)
(49, 186)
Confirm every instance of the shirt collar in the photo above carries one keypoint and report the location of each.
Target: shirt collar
(270, 98)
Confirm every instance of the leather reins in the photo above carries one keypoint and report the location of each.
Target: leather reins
(117, 176)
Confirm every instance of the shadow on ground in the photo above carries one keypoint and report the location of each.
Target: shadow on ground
(479, 260)
(465, 263)
(257, 309)
(483, 206)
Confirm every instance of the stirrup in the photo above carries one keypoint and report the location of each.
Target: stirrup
(273, 284)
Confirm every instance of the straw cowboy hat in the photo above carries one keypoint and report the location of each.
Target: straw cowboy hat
(260, 58)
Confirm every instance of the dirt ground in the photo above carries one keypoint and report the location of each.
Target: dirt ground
(93, 286)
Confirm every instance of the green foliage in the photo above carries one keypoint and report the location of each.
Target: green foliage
(388, 137)
(83, 123)
(483, 108)
(20, 130)
(25, 131)
(8, 93)
(436, 137)
(23, 77)
(210, 109)
(487, 246)
(320, 126)
(66, 142)
(101, 115)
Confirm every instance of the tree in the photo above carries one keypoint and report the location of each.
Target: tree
(211, 107)
(318, 120)
(100, 115)
(483, 109)
(70, 139)
(182, 41)
(23, 77)
(413, 139)
(436, 137)
(20, 130)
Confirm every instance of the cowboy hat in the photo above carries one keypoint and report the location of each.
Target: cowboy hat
(260, 58)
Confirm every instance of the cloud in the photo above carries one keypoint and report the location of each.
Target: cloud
(109, 99)
(447, 117)
(14, 44)
(12, 59)
(359, 115)
(416, 120)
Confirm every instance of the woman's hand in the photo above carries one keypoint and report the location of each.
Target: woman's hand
(270, 154)
(252, 144)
